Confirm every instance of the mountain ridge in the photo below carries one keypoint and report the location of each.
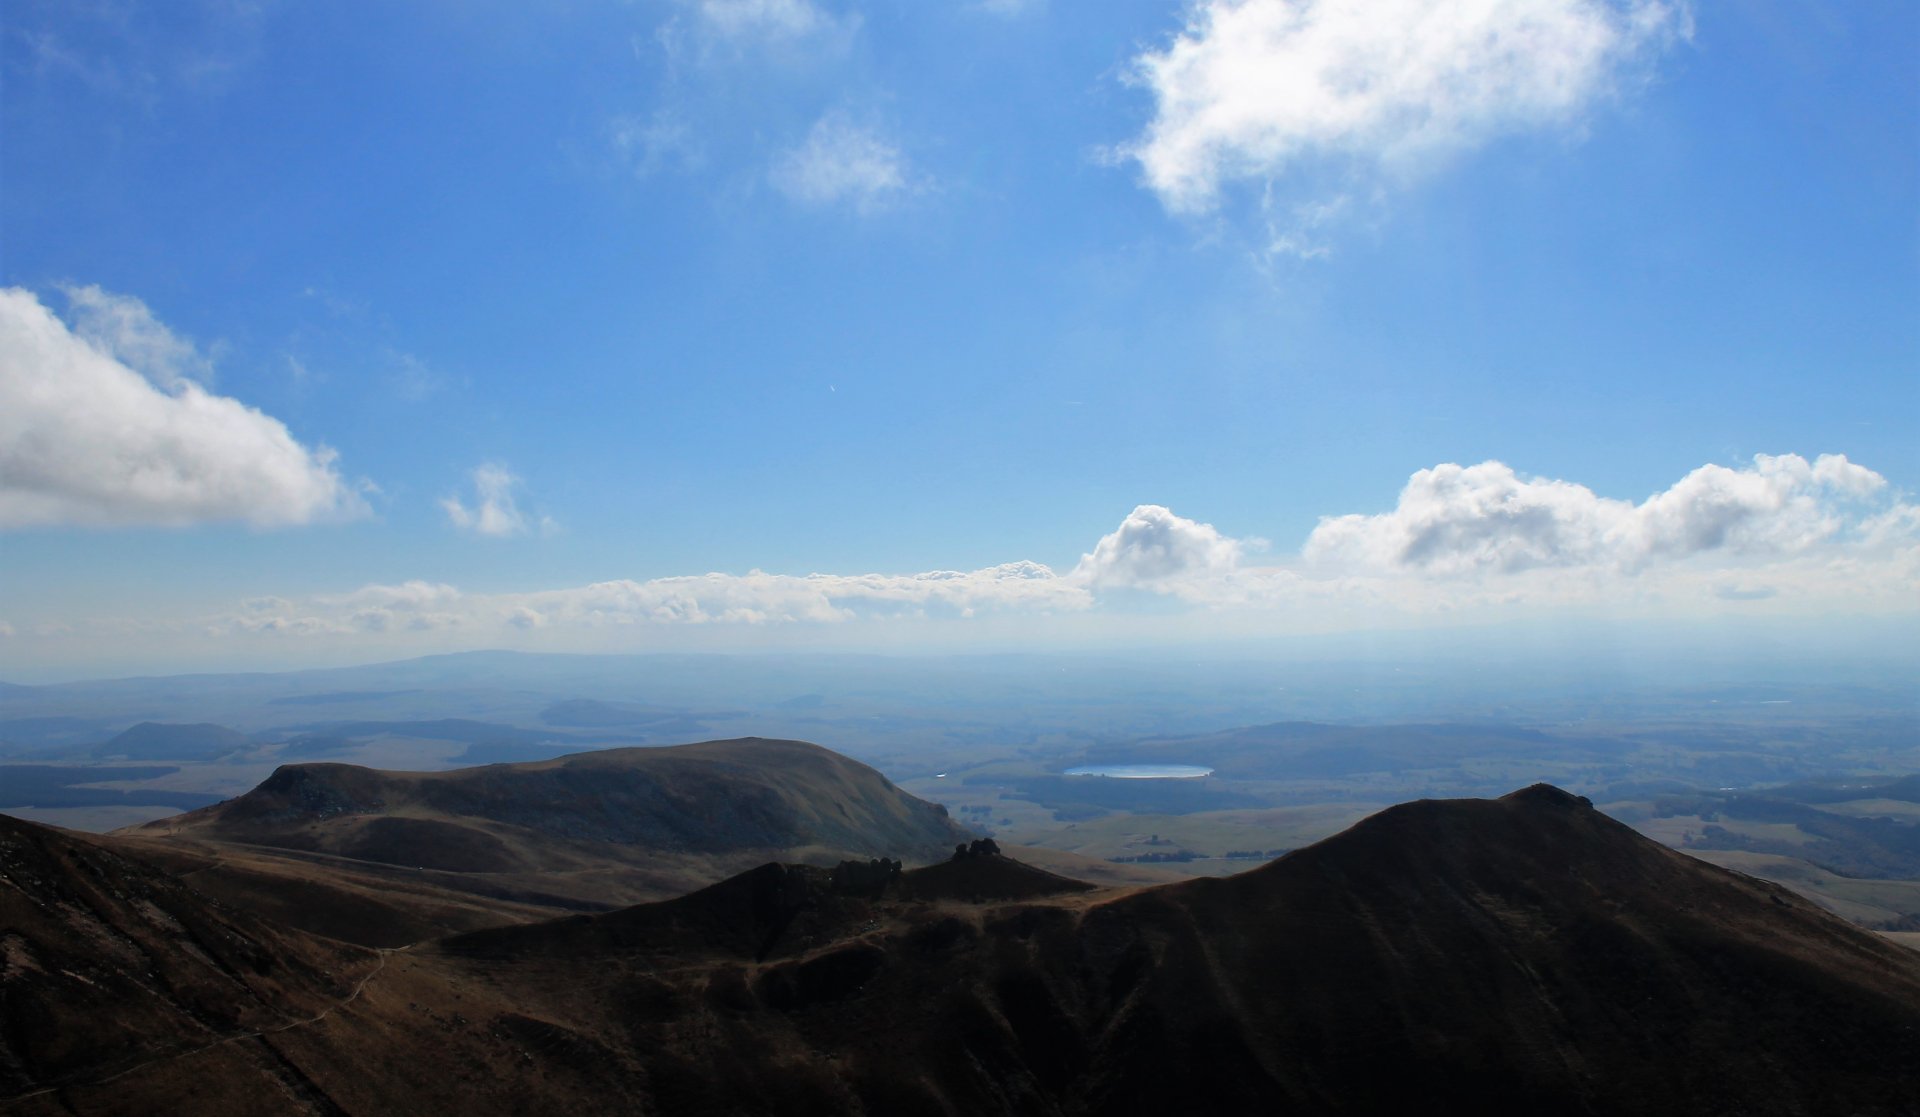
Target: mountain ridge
(1522, 953)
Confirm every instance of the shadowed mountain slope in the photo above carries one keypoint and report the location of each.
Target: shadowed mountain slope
(1524, 954)
(107, 961)
(1526, 951)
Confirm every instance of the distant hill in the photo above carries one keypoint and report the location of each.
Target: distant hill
(152, 740)
(336, 697)
(592, 713)
(1523, 955)
(717, 797)
(435, 729)
(594, 829)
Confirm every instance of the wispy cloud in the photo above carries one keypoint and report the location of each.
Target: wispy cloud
(495, 511)
(106, 422)
(787, 20)
(706, 34)
(136, 53)
(754, 598)
(1010, 8)
(123, 328)
(1347, 98)
(842, 162)
(412, 379)
(660, 140)
(707, 58)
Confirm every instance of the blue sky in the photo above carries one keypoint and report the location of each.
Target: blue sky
(336, 333)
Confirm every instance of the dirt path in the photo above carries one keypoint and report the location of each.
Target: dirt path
(238, 1037)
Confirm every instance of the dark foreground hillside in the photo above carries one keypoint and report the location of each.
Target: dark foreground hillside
(1524, 954)
(108, 964)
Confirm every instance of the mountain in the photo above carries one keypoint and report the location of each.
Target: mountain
(713, 798)
(585, 831)
(151, 740)
(1524, 954)
(1521, 954)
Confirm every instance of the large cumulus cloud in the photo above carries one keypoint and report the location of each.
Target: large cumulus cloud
(1155, 549)
(111, 425)
(1349, 97)
(1485, 518)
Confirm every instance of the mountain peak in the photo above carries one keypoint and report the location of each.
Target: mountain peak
(1546, 795)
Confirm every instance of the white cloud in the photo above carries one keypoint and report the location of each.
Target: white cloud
(123, 328)
(1155, 549)
(755, 598)
(494, 512)
(413, 596)
(844, 162)
(1783, 537)
(1473, 542)
(761, 598)
(784, 19)
(1364, 92)
(646, 145)
(785, 33)
(86, 438)
(136, 52)
(412, 379)
(1454, 520)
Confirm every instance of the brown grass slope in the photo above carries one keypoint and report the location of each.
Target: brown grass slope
(1523, 954)
(366, 903)
(380, 857)
(107, 962)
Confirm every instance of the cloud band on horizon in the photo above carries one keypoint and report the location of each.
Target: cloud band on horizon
(1779, 531)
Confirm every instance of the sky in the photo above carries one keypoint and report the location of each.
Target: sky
(338, 333)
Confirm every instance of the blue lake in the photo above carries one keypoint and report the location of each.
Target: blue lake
(1142, 771)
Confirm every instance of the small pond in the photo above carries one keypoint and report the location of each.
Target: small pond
(1142, 771)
